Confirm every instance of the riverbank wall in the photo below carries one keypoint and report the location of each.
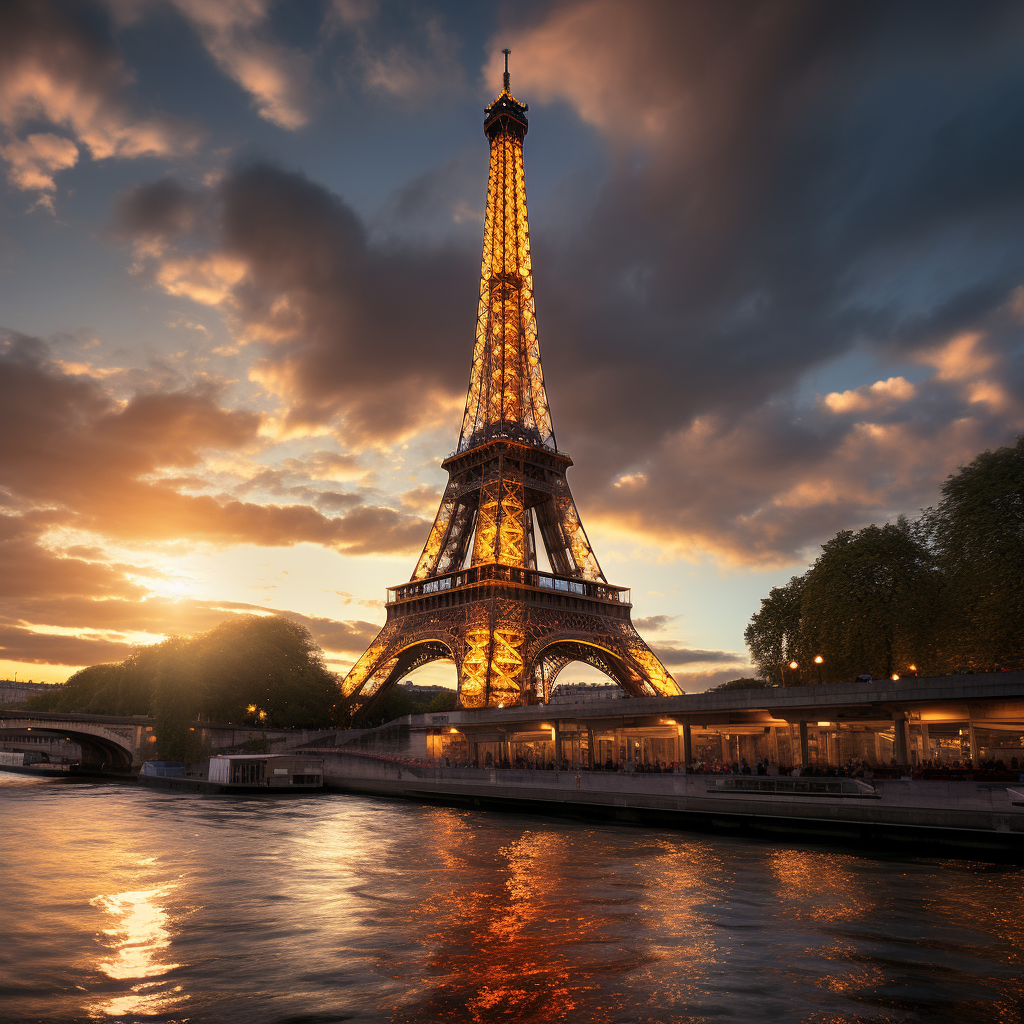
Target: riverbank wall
(960, 818)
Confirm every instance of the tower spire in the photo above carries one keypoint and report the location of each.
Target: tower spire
(506, 51)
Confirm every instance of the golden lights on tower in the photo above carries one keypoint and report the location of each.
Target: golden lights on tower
(476, 595)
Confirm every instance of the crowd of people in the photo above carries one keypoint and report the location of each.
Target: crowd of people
(994, 770)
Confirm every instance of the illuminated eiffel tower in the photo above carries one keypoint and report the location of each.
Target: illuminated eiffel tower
(477, 596)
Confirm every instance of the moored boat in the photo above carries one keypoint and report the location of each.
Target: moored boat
(238, 773)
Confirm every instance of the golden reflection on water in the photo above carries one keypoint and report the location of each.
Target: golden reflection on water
(819, 885)
(683, 875)
(514, 941)
(822, 887)
(552, 925)
(137, 943)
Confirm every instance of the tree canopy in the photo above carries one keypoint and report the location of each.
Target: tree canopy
(943, 594)
(262, 669)
(978, 535)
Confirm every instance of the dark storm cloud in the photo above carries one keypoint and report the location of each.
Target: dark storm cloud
(802, 155)
(158, 213)
(367, 332)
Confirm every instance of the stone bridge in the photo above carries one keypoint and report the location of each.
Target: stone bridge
(128, 741)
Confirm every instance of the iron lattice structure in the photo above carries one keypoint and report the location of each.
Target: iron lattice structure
(476, 596)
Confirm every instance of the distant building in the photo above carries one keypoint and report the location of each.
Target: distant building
(17, 693)
(584, 693)
(425, 693)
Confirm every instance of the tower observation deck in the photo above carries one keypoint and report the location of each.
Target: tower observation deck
(476, 596)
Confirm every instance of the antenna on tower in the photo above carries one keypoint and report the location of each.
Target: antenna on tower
(506, 51)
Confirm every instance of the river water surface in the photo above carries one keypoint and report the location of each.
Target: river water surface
(128, 904)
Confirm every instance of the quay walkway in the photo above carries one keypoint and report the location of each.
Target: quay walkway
(951, 746)
(957, 818)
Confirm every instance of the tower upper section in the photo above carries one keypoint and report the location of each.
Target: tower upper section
(506, 389)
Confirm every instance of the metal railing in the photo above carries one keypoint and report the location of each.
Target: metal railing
(509, 574)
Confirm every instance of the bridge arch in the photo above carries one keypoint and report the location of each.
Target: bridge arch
(117, 746)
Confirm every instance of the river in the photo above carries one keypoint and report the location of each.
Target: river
(128, 904)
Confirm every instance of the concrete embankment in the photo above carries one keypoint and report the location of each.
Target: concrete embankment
(983, 820)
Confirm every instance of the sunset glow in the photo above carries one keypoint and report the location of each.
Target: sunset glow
(239, 309)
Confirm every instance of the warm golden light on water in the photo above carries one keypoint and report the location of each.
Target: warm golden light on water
(137, 942)
(405, 913)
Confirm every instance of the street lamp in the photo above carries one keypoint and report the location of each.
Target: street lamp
(817, 661)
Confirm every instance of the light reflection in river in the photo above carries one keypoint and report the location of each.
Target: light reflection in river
(347, 908)
(137, 943)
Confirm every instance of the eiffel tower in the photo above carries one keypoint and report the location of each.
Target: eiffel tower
(477, 596)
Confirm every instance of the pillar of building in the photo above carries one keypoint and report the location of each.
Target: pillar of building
(901, 734)
(805, 757)
(926, 742)
(687, 738)
(558, 745)
(591, 753)
(975, 753)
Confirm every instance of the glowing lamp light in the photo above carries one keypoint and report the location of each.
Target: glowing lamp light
(818, 660)
(913, 668)
(251, 708)
(895, 677)
(824, 725)
(453, 730)
(152, 739)
(793, 665)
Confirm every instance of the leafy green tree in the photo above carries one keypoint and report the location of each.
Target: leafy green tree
(978, 534)
(869, 604)
(744, 683)
(773, 634)
(443, 702)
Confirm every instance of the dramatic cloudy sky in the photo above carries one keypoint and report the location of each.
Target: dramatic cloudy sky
(779, 255)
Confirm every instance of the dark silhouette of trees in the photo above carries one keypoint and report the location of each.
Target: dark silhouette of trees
(940, 595)
(978, 535)
(260, 669)
(869, 604)
(773, 635)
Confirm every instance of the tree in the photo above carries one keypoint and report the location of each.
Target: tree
(443, 702)
(268, 663)
(869, 603)
(773, 633)
(744, 683)
(978, 533)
